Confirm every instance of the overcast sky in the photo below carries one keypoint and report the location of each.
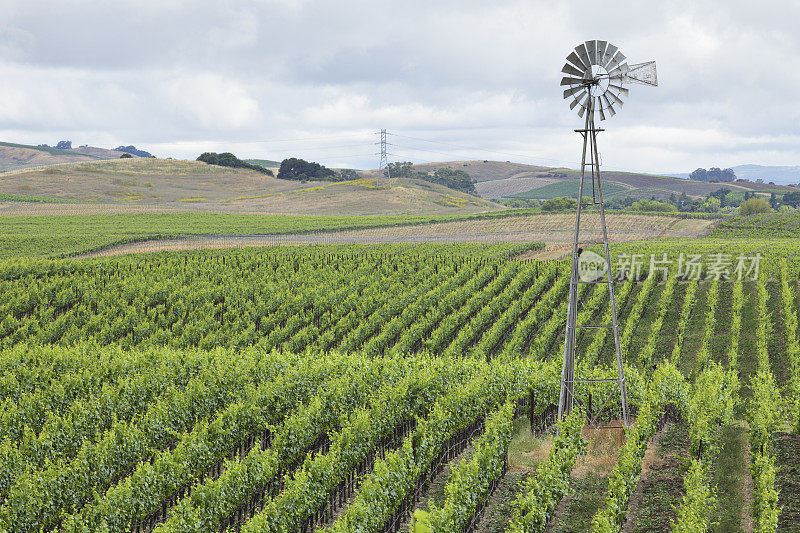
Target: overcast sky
(314, 79)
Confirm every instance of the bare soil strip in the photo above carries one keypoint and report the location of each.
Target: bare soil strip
(554, 230)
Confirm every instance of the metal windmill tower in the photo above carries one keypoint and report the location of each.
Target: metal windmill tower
(595, 74)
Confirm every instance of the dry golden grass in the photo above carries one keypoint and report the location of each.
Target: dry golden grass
(185, 184)
(602, 453)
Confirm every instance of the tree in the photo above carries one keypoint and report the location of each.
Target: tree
(753, 206)
(455, 179)
(294, 168)
(401, 169)
(713, 174)
(773, 200)
(126, 156)
(559, 204)
(133, 150)
(653, 205)
(683, 201)
(792, 199)
(699, 174)
(710, 205)
(720, 194)
(348, 174)
(64, 145)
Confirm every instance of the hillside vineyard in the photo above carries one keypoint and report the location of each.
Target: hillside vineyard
(289, 389)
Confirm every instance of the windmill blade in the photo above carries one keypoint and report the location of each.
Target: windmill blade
(643, 73)
(575, 60)
(570, 92)
(600, 111)
(581, 112)
(578, 100)
(591, 49)
(609, 53)
(617, 60)
(581, 51)
(569, 69)
(571, 81)
(619, 89)
(601, 51)
(611, 111)
(619, 72)
(613, 99)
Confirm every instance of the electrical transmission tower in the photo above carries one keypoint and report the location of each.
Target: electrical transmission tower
(383, 167)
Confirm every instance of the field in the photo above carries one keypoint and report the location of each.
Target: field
(256, 371)
(66, 234)
(351, 387)
(570, 188)
(764, 225)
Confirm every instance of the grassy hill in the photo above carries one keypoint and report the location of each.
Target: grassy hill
(497, 179)
(191, 185)
(21, 156)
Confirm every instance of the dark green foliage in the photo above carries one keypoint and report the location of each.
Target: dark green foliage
(126, 156)
(519, 202)
(130, 149)
(559, 204)
(301, 170)
(454, 179)
(713, 174)
(227, 159)
(721, 193)
(792, 199)
(348, 174)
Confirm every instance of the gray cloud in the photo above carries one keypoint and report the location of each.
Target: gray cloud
(181, 76)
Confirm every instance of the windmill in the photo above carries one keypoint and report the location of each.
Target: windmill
(595, 74)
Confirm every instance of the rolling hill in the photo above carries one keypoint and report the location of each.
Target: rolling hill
(21, 156)
(158, 184)
(496, 179)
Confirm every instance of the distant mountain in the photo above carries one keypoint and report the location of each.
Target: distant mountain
(777, 174)
(780, 175)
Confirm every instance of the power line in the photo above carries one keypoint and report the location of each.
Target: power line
(298, 139)
(472, 149)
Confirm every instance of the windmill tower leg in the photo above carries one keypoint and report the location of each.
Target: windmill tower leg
(567, 396)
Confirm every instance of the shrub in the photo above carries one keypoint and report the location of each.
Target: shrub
(754, 206)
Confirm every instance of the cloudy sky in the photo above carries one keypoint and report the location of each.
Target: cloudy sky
(451, 79)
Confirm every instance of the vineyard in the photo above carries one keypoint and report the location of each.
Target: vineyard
(378, 388)
(763, 225)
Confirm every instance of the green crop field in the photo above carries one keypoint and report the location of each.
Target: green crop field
(568, 188)
(362, 387)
